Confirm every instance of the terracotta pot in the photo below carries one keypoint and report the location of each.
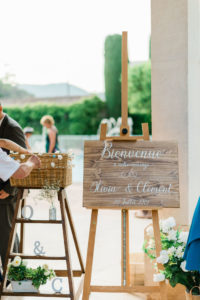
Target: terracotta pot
(24, 286)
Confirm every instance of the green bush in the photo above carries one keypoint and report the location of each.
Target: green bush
(138, 119)
(139, 89)
(79, 118)
(112, 73)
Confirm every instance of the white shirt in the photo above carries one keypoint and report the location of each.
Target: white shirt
(8, 166)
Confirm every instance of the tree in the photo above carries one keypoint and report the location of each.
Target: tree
(139, 88)
(112, 72)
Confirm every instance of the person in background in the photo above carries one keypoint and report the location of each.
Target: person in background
(52, 134)
(28, 131)
(11, 130)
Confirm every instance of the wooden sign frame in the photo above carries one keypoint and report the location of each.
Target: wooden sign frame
(125, 286)
(127, 174)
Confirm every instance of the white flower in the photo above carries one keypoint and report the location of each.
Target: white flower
(46, 267)
(60, 157)
(158, 277)
(172, 235)
(183, 237)
(150, 231)
(52, 164)
(167, 224)
(22, 156)
(17, 261)
(47, 273)
(179, 252)
(171, 250)
(183, 265)
(163, 258)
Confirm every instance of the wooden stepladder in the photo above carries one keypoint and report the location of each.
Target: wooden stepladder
(125, 286)
(66, 217)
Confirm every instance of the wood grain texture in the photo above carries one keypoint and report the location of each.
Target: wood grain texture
(130, 174)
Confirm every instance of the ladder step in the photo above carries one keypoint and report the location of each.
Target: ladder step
(56, 295)
(64, 273)
(45, 257)
(38, 221)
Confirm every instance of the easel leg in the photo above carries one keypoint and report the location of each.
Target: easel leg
(71, 223)
(90, 254)
(125, 264)
(11, 241)
(66, 244)
(158, 245)
(21, 244)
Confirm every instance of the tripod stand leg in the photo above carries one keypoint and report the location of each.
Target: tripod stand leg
(90, 255)
(66, 245)
(71, 223)
(156, 228)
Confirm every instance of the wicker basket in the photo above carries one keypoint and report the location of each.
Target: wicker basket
(56, 169)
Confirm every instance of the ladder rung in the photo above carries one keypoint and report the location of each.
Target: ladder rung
(64, 273)
(24, 256)
(56, 295)
(38, 221)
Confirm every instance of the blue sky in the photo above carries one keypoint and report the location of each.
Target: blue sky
(48, 41)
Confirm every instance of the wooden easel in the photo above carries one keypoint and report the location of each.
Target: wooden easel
(65, 209)
(125, 286)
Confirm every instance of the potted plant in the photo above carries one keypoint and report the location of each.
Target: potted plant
(171, 257)
(24, 279)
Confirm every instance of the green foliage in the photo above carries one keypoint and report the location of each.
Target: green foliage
(39, 276)
(139, 89)
(79, 118)
(8, 90)
(138, 119)
(173, 246)
(84, 118)
(112, 72)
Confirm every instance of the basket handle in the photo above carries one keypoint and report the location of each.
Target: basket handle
(196, 286)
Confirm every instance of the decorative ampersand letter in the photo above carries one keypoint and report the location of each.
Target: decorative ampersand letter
(24, 212)
(53, 285)
(37, 250)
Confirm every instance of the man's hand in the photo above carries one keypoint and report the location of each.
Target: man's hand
(3, 194)
(35, 161)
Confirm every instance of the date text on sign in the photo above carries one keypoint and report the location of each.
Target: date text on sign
(130, 174)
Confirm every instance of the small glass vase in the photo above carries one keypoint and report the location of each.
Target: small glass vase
(52, 213)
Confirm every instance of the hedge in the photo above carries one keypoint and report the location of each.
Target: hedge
(80, 118)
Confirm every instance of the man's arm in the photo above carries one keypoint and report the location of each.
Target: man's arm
(9, 145)
(15, 134)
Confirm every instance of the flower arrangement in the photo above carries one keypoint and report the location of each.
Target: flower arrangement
(18, 271)
(171, 257)
(49, 192)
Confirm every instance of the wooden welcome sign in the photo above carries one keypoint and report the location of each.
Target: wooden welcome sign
(128, 174)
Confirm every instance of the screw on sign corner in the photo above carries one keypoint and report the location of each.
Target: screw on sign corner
(124, 131)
